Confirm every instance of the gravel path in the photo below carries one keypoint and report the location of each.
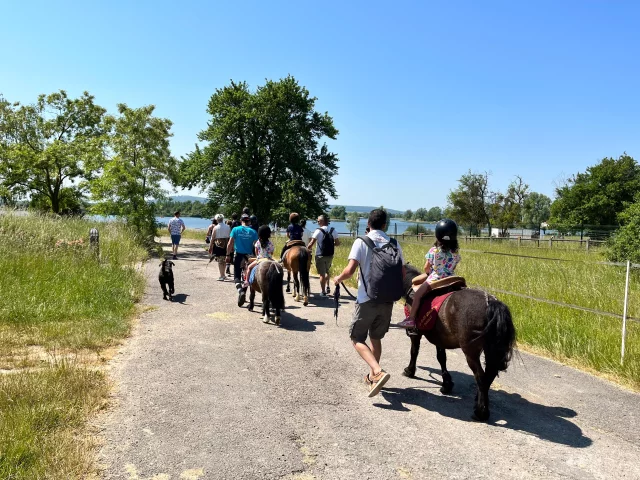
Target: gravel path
(204, 389)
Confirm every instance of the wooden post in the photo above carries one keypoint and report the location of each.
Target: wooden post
(624, 314)
(94, 241)
(551, 243)
(587, 244)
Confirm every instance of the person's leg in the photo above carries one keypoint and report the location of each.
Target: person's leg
(237, 268)
(376, 348)
(410, 321)
(221, 267)
(321, 272)
(248, 272)
(328, 261)
(367, 355)
(364, 315)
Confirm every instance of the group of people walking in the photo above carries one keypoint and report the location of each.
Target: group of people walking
(377, 257)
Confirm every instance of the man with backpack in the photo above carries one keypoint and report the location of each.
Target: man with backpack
(326, 239)
(379, 286)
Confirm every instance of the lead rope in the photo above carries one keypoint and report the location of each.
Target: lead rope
(336, 297)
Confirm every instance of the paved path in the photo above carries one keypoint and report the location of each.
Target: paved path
(206, 390)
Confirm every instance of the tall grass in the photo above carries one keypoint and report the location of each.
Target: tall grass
(587, 340)
(59, 298)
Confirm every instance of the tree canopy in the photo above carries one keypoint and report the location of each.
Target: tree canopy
(597, 196)
(469, 202)
(338, 212)
(46, 147)
(263, 149)
(625, 243)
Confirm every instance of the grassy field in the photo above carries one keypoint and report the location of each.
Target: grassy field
(583, 339)
(60, 308)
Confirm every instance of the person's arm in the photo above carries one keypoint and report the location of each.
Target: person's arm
(347, 273)
(427, 267)
(336, 239)
(169, 227)
(183, 227)
(230, 247)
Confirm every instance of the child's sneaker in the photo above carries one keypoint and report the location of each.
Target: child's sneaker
(407, 323)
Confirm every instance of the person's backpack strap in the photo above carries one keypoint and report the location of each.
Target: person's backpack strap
(368, 242)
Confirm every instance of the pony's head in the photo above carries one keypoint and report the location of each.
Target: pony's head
(411, 272)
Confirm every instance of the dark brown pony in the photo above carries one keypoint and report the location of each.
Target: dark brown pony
(268, 281)
(475, 322)
(298, 260)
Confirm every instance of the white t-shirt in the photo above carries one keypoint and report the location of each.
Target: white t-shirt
(319, 234)
(362, 254)
(306, 236)
(222, 230)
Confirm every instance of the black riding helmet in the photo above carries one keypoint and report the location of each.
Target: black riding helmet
(446, 229)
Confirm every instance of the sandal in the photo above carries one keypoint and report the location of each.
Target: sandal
(377, 382)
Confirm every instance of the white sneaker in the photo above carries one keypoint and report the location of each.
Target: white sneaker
(221, 279)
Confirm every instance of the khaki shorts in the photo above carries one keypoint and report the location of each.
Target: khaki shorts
(372, 319)
(323, 264)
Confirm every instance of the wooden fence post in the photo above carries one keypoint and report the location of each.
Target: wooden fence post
(94, 241)
(587, 244)
(551, 243)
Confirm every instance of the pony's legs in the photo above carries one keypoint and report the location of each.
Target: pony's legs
(447, 383)
(410, 371)
(288, 281)
(276, 320)
(252, 297)
(296, 286)
(265, 307)
(481, 409)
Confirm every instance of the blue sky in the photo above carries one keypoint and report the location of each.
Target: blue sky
(420, 91)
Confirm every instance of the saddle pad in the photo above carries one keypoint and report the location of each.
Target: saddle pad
(252, 275)
(428, 313)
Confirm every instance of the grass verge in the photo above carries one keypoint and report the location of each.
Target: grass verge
(61, 305)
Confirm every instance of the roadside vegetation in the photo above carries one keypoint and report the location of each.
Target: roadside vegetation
(62, 307)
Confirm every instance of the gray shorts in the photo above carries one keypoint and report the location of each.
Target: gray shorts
(323, 264)
(370, 318)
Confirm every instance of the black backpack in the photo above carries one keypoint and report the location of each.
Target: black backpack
(327, 247)
(384, 281)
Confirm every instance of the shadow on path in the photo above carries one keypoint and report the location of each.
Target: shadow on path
(508, 410)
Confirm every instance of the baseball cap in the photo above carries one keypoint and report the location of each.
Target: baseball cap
(243, 216)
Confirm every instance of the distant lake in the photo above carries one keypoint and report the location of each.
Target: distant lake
(396, 226)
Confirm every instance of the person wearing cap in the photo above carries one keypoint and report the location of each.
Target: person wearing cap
(241, 241)
(294, 232)
(176, 227)
(219, 241)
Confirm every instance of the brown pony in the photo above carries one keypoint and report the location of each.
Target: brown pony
(268, 282)
(475, 322)
(297, 259)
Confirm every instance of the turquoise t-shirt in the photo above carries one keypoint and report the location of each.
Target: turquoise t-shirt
(243, 239)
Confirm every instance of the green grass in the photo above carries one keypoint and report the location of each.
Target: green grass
(583, 339)
(59, 301)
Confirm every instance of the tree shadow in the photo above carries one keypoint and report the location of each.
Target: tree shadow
(180, 298)
(508, 410)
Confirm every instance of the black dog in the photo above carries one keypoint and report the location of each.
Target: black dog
(166, 278)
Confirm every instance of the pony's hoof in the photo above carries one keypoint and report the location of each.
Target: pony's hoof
(297, 298)
(277, 321)
(306, 301)
(250, 308)
(480, 416)
(288, 290)
(407, 372)
(446, 388)
(265, 319)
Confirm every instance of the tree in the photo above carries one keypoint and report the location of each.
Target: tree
(353, 220)
(468, 204)
(263, 150)
(421, 214)
(407, 215)
(597, 196)
(47, 146)
(625, 243)
(507, 209)
(418, 229)
(536, 210)
(338, 212)
(434, 214)
(140, 160)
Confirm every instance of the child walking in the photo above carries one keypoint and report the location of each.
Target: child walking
(264, 248)
(442, 260)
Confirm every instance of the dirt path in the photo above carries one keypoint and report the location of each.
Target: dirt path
(206, 390)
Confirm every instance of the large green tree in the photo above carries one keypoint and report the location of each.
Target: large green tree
(407, 215)
(469, 202)
(597, 196)
(140, 159)
(45, 148)
(338, 212)
(434, 214)
(265, 149)
(353, 220)
(507, 209)
(625, 243)
(536, 210)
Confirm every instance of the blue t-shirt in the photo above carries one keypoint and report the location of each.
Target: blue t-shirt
(295, 232)
(243, 239)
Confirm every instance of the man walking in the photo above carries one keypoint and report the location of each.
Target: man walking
(241, 242)
(176, 227)
(379, 286)
(325, 239)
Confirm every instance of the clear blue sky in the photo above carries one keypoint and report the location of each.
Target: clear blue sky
(420, 91)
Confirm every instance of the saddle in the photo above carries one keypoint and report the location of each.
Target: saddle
(434, 298)
(295, 243)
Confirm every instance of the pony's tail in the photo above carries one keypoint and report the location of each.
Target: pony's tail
(274, 280)
(303, 266)
(499, 336)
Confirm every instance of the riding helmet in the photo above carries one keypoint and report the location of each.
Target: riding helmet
(294, 216)
(446, 229)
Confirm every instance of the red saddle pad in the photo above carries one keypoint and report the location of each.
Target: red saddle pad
(428, 313)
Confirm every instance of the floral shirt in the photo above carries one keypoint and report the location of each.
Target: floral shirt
(176, 224)
(265, 252)
(442, 263)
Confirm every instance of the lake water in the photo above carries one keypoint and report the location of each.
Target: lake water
(396, 226)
